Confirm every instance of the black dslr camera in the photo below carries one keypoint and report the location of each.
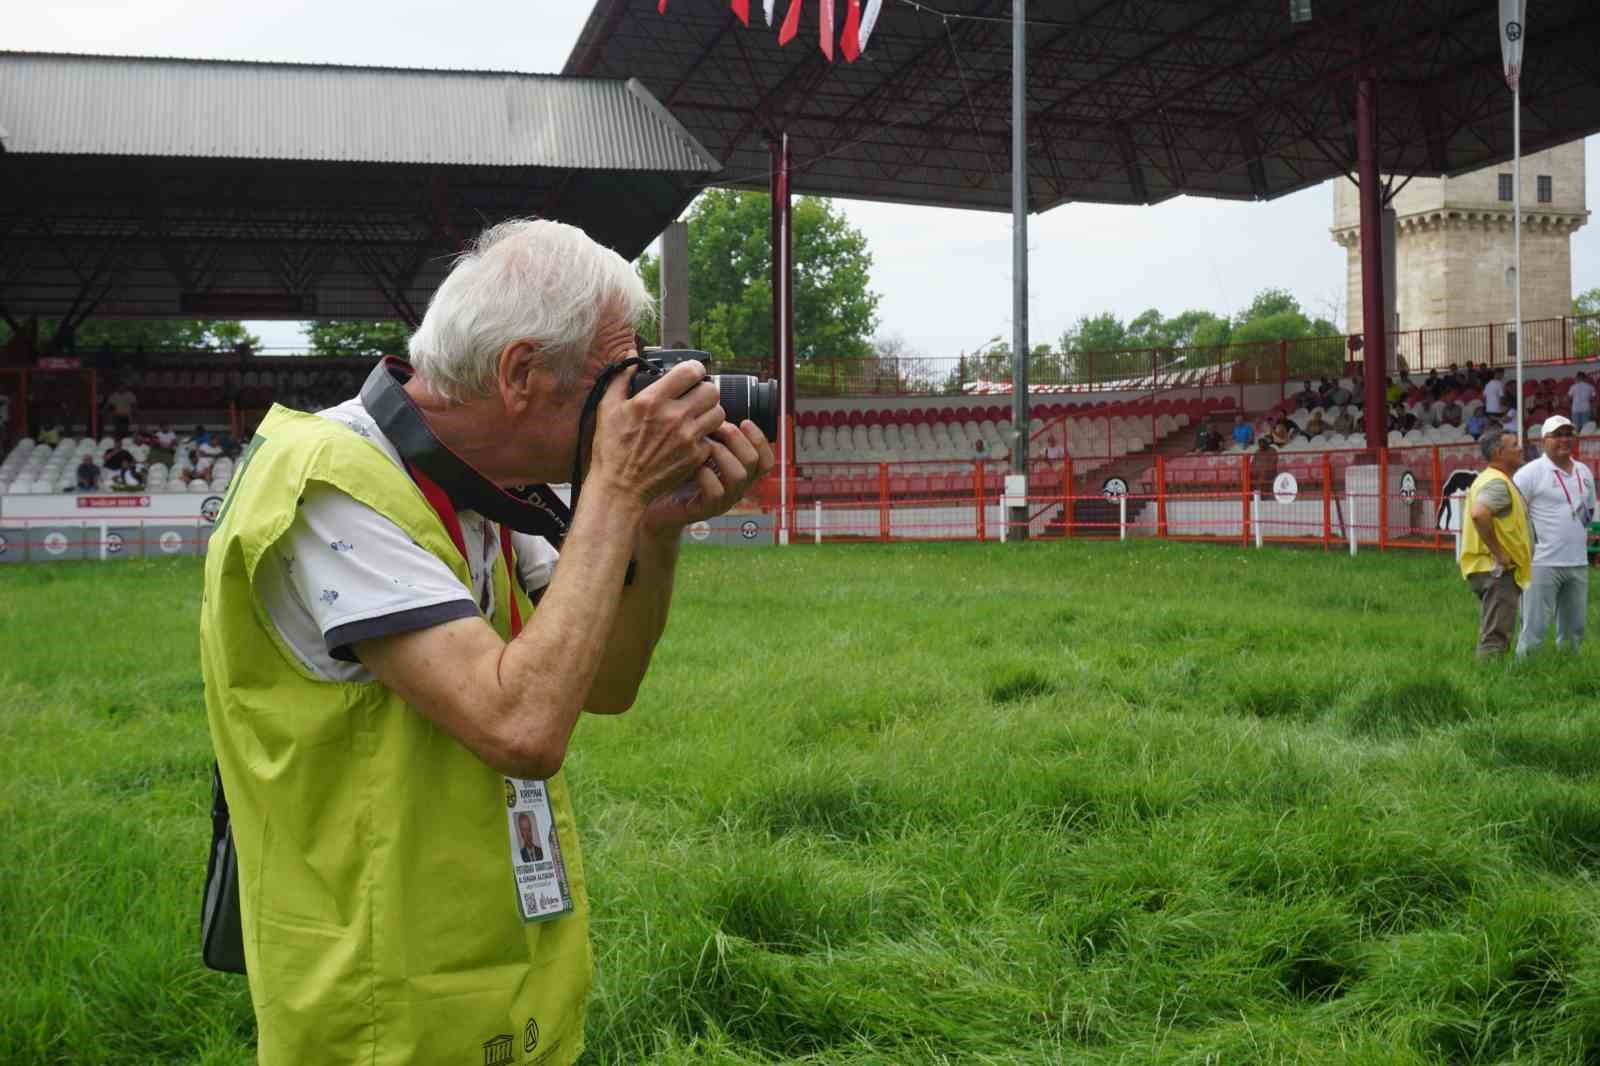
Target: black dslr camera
(742, 395)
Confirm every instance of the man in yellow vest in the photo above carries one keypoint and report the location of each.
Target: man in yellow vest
(389, 711)
(1496, 545)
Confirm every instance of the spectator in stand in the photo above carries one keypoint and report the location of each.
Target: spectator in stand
(1324, 387)
(1243, 435)
(121, 405)
(1339, 396)
(1477, 422)
(1581, 394)
(1283, 433)
(128, 475)
(1450, 414)
(1496, 543)
(88, 475)
(1344, 423)
(1207, 439)
(1560, 497)
(1400, 420)
(1264, 443)
(1494, 396)
(166, 437)
(1307, 397)
(1433, 385)
(1315, 426)
(1393, 392)
(1453, 379)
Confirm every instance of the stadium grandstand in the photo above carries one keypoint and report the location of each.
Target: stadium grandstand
(262, 217)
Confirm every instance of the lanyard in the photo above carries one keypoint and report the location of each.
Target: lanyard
(1563, 483)
(440, 502)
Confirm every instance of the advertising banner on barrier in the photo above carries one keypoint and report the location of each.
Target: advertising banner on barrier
(13, 544)
(55, 543)
(119, 541)
(101, 508)
(46, 528)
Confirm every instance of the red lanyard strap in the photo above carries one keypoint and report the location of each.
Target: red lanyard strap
(1563, 483)
(440, 502)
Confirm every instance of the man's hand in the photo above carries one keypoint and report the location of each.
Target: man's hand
(648, 446)
(740, 456)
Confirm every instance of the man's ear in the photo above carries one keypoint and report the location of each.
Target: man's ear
(519, 376)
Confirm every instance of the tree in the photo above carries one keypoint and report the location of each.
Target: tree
(1586, 334)
(151, 334)
(358, 338)
(730, 279)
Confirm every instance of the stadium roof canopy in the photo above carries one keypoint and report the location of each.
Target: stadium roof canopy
(1129, 101)
(137, 186)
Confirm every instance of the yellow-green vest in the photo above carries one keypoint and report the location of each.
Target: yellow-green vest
(1511, 529)
(380, 913)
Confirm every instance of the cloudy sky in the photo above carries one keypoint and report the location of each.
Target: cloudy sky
(944, 275)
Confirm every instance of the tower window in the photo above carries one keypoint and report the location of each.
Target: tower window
(1546, 189)
(1505, 187)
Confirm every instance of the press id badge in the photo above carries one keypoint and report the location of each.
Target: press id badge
(541, 876)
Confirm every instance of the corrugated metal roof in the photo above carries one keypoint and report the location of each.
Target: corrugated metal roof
(112, 105)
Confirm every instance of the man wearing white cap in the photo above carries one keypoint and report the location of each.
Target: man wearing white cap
(1560, 495)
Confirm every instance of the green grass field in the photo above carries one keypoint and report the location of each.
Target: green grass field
(1065, 802)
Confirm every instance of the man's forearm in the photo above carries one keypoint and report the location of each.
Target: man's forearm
(641, 619)
(552, 666)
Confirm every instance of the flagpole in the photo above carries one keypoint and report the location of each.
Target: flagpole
(1516, 239)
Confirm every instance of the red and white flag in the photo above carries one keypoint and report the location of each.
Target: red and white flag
(861, 17)
(850, 39)
(1513, 27)
(791, 23)
(869, 19)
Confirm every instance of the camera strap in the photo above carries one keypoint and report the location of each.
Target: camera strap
(591, 404)
(533, 509)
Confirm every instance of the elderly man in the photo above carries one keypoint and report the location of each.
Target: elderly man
(1559, 492)
(1496, 546)
(387, 705)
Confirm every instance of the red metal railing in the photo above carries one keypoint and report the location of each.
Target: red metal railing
(1391, 498)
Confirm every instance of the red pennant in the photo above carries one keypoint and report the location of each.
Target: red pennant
(825, 28)
(741, 8)
(661, 7)
(850, 40)
(791, 23)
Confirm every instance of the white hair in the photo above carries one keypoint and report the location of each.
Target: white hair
(531, 280)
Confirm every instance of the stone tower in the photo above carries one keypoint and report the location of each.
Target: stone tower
(1454, 243)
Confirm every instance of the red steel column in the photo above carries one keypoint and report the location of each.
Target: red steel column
(1374, 328)
(783, 321)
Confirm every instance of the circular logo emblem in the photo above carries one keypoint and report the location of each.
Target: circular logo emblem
(700, 530)
(530, 1036)
(749, 529)
(55, 543)
(1114, 487)
(1408, 486)
(1285, 488)
(171, 543)
(209, 507)
(1513, 31)
(113, 543)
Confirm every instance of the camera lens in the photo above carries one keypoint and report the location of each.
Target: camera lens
(746, 396)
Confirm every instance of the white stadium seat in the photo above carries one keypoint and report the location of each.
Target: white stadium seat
(199, 485)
